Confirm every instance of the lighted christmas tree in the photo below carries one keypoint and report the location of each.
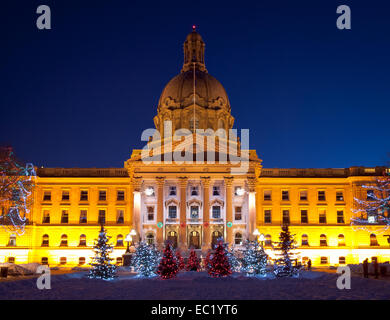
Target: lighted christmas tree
(145, 260)
(101, 263)
(217, 263)
(180, 260)
(234, 261)
(168, 267)
(193, 263)
(254, 260)
(284, 266)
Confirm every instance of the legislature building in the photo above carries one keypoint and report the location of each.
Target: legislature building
(193, 204)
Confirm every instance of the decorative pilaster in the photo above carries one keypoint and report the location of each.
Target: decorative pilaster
(206, 211)
(160, 210)
(251, 180)
(183, 212)
(136, 183)
(229, 208)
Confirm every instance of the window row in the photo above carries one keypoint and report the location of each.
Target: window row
(82, 261)
(82, 241)
(304, 216)
(194, 191)
(84, 195)
(83, 217)
(303, 195)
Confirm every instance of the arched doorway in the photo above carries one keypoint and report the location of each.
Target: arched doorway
(172, 239)
(216, 236)
(194, 240)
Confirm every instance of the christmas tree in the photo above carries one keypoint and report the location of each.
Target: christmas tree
(193, 263)
(180, 260)
(284, 265)
(168, 267)
(375, 207)
(145, 260)
(254, 261)
(101, 266)
(217, 264)
(234, 261)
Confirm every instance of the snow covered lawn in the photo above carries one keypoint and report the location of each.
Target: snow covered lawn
(193, 285)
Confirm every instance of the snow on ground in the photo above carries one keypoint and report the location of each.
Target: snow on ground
(196, 285)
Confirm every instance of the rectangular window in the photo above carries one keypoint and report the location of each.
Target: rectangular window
(172, 212)
(341, 260)
(304, 216)
(65, 195)
(339, 196)
(321, 196)
(285, 195)
(267, 195)
(83, 216)
(286, 217)
(47, 196)
(11, 259)
(267, 216)
(370, 195)
(44, 260)
(150, 213)
(172, 190)
(102, 217)
(324, 260)
(238, 213)
(83, 195)
(64, 216)
(194, 212)
(63, 260)
(216, 191)
(46, 216)
(322, 216)
(303, 195)
(120, 216)
(340, 216)
(120, 195)
(102, 195)
(216, 212)
(194, 191)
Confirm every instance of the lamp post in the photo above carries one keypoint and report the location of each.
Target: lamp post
(132, 233)
(128, 239)
(256, 233)
(127, 255)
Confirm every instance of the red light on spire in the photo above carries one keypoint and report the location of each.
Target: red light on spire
(193, 27)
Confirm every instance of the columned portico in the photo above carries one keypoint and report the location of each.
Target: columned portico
(160, 209)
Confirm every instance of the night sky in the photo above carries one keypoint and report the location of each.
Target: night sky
(80, 94)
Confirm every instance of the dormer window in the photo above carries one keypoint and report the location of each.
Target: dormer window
(216, 191)
(194, 191)
(172, 190)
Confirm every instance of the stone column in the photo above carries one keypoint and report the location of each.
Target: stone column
(251, 206)
(160, 210)
(206, 212)
(183, 211)
(137, 219)
(229, 208)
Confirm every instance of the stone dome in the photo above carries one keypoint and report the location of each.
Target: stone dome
(209, 92)
(208, 108)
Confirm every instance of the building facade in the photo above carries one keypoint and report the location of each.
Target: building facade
(194, 204)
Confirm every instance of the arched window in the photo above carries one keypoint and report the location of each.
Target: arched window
(305, 240)
(83, 240)
(323, 242)
(12, 240)
(64, 241)
(119, 261)
(81, 261)
(341, 240)
(216, 236)
(63, 260)
(150, 238)
(373, 240)
(238, 238)
(268, 240)
(45, 240)
(119, 240)
(44, 260)
(172, 239)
